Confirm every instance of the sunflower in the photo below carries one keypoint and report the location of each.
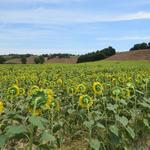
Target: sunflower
(39, 99)
(59, 82)
(131, 88)
(50, 92)
(130, 85)
(50, 98)
(1, 107)
(14, 90)
(71, 90)
(125, 93)
(97, 88)
(33, 90)
(81, 88)
(116, 93)
(85, 101)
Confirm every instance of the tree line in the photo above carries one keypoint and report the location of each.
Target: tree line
(98, 55)
(140, 46)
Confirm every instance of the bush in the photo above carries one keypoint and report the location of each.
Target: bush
(23, 60)
(2, 60)
(39, 60)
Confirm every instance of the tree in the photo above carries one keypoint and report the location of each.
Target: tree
(23, 60)
(2, 60)
(36, 60)
(39, 60)
(149, 45)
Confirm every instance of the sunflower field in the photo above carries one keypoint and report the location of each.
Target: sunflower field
(99, 106)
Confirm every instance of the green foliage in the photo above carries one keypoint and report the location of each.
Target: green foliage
(111, 122)
(140, 46)
(59, 55)
(98, 55)
(37, 121)
(39, 60)
(95, 144)
(2, 60)
(23, 60)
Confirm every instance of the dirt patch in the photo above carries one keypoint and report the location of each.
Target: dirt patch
(71, 60)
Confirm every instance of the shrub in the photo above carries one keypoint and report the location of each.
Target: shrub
(2, 60)
(39, 60)
(23, 60)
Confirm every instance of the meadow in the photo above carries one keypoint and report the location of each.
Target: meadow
(99, 106)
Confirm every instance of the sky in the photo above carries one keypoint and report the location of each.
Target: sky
(72, 26)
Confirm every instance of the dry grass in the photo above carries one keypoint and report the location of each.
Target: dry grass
(132, 55)
(71, 60)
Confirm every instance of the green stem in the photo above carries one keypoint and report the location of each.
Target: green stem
(146, 89)
(52, 119)
(32, 127)
(90, 130)
(31, 137)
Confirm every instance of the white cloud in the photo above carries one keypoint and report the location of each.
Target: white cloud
(62, 16)
(123, 38)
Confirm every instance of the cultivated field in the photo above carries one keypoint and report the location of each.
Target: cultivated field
(102, 105)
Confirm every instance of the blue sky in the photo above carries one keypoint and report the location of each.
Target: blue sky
(72, 26)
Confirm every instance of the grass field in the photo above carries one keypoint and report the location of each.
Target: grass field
(102, 105)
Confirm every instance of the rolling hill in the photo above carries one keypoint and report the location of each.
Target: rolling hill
(132, 55)
(30, 60)
(128, 55)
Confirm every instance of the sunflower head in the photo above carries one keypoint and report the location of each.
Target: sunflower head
(130, 85)
(116, 93)
(97, 88)
(71, 90)
(85, 101)
(14, 90)
(50, 92)
(81, 88)
(33, 89)
(50, 98)
(59, 82)
(125, 93)
(1, 107)
(131, 88)
(39, 99)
